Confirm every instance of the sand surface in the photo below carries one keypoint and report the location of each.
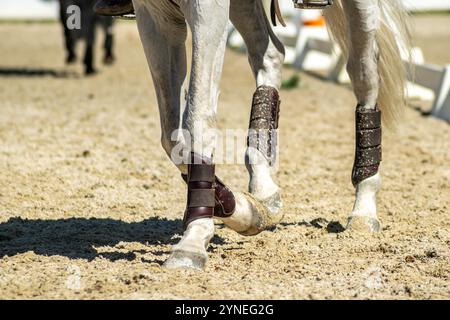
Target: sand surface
(90, 205)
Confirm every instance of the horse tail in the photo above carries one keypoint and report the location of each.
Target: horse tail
(394, 43)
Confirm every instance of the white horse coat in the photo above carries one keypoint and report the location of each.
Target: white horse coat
(363, 28)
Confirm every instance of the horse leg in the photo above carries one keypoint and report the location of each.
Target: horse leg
(68, 34)
(107, 24)
(208, 22)
(89, 33)
(266, 55)
(363, 21)
(163, 33)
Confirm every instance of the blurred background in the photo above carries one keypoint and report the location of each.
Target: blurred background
(29, 9)
(306, 39)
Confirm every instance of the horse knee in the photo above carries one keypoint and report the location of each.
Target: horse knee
(270, 73)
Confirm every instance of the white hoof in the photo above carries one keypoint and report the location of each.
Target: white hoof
(186, 260)
(274, 206)
(251, 217)
(190, 252)
(364, 213)
(260, 217)
(363, 223)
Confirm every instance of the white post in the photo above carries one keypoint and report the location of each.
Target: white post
(442, 95)
(338, 72)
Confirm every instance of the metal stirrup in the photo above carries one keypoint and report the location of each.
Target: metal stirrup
(312, 4)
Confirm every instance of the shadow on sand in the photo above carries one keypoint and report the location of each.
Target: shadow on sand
(36, 72)
(76, 238)
(318, 223)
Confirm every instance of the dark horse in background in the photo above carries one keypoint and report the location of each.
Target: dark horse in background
(89, 22)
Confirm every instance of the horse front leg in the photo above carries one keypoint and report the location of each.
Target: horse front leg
(266, 56)
(108, 44)
(363, 18)
(89, 34)
(208, 23)
(69, 40)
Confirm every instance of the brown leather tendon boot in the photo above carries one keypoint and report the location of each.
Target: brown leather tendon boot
(224, 201)
(368, 144)
(200, 195)
(264, 119)
(114, 7)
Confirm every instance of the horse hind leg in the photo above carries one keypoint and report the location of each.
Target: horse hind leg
(258, 210)
(89, 32)
(69, 40)
(208, 27)
(363, 20)
(163, 34)
(107, 25)
(206, 192)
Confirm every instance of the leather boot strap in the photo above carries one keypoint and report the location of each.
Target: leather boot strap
(225, 203)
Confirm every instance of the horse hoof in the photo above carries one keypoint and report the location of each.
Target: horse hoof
(261, 219)
(274, 205)
(186, 260)
(71, 59)
(90, 72)
(363, 223)
(109, 60)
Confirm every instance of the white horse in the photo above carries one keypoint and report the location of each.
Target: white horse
(368, 31)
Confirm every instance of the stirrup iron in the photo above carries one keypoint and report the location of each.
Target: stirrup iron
(312, 4)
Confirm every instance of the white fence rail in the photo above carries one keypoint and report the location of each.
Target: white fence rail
(427, 5)
(432, 77)
(437, 79)
(28, 9)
